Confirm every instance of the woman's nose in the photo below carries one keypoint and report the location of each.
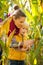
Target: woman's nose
(22, 24)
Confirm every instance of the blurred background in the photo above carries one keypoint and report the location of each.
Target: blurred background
(34, 12)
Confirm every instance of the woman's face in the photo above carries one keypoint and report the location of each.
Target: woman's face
(19, 21)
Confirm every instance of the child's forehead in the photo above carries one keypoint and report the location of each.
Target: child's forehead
(25, 26)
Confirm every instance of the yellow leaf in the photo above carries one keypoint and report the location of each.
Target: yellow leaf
(35, 61)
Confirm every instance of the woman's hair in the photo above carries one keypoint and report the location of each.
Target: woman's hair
(18, 12)
(41, 2)
(16, 7)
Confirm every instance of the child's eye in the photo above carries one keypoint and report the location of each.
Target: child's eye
(23, 28)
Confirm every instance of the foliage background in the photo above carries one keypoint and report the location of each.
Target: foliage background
(34, 12)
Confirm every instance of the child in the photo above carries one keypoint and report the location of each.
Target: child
(25, 43)
(16, 52)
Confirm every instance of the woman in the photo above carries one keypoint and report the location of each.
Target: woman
(12, 28)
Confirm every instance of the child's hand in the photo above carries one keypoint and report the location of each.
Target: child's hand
(20, 45)
(28, 43)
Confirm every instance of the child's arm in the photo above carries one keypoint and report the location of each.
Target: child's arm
(27, 45)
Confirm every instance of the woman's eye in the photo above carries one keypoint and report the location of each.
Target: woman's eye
(21, 21)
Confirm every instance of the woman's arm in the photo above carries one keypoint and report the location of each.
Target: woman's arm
(8, 42)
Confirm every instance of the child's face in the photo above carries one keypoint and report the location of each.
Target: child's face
(23, 31)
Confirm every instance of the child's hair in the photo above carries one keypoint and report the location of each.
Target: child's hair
(26, 26)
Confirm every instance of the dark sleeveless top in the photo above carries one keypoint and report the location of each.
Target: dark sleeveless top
(12, 27)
